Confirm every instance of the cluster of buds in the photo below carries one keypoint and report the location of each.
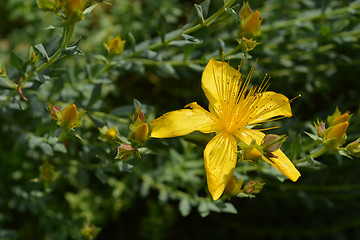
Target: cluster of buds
(234, 187)
(68, 118)
(335, 135)
(139, 128)
(71, 10)
(250, 23)
(139, 134)
(114, 45)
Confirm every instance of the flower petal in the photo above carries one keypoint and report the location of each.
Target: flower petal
(218, 81)
(270, 105)
(282, 163)
(220, 161)
(184, 121)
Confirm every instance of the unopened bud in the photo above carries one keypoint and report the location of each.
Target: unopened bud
(338, 131)
(353, 148)
(90, 232)
(337, 117)
(245, 11)
(54, 111)
(272, 142)
(138, 115)
(233, 186)
(253, 187)
(115, 46)
(124, 151)
(320, 128)
(46, 5)
(251, 153)
(2, 70)
(69, 117)
(345, 117)
(249, 22)
(247, 44)
(141, 133)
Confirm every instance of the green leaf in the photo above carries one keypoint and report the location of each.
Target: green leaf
(95, 95)
(199, 12)
(233, 13)
(203, 209)
(313, 136)
(16, 62)
(184, 207)
(124, 167)
(162, 28)
(131, 39)
(89, 9)
(42, 51)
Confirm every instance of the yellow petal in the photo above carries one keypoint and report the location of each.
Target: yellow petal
(270, 105)
(216, 82)
(220, 161)
(184, 121)
(69, 115)
(282, 163)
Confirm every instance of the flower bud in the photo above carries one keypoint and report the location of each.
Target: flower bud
(138, 115)
(54, 111)
(90, 232)
(115, 46)
(233, 186)
(247, 44)
(345, 117)
(69, 117)
(2, 70)
(337, 118)
(253, 187)
(46, 5)
(141, 133)
(251, 153)
(47, 173)
(320, 128)
(272, 142)
(245, 11)
(338, 131)
(74, 11)
(33, 58)
(353, 148)
(124, 151)
(249, 22)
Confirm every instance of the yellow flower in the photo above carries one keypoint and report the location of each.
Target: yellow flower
(232, 109)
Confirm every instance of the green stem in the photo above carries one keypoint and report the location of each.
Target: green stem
(206, 23)
(10, 82)
(57, 53)
(315, 154)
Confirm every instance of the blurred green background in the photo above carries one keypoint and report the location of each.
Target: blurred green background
(308, 47)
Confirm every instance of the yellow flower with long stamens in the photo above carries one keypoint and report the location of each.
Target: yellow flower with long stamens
(233, 108)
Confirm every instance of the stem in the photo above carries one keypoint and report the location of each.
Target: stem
(57, 53)
(206, 23)
(10, 82)
(315, 154)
